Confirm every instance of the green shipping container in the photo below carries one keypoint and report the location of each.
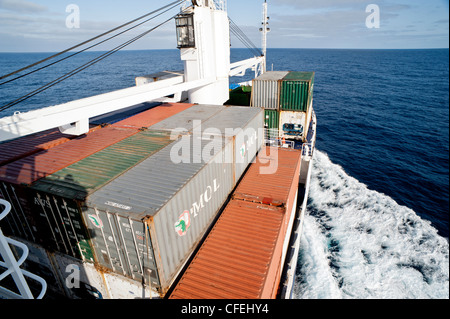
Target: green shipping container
(59, 198)
(297, 91)
(271, 119)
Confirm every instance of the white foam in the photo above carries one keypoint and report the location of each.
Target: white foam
(362, 244)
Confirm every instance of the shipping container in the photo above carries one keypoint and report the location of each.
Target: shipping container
(293, 124)
(266, 90)
(245, 125)
(41, 164)
(187, 120)
(40, 263)
(155, 115)
(297, 91)
(17, 176)
(16, 149)
(146, 223)
(213, 120)
(80, 280)
(272, 119)
(57, 199)
(243, 255)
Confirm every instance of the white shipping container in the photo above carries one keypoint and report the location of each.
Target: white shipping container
(266, 90)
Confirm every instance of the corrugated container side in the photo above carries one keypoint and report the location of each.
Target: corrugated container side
(245, 125)
(20, 222)
(242, 256)
(153, 116)
(272, 119)
(13, 150)
(39, 165)
(266, 90)
(91, 284)
(235, 259)
(39, 263)
(63, 191)
(296, 91)
(170, 205)
(16, 177)
(270, 189)
(186, 119)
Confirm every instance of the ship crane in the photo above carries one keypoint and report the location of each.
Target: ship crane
(203, 39)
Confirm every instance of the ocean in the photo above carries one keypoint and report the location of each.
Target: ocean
(377, 223)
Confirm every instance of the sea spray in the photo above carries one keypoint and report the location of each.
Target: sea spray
(358, 243)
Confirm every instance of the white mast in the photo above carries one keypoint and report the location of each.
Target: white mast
(265, 29)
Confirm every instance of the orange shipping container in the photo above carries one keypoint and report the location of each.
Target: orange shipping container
(13, 150)
(41, 164)
(242, 257)
(153, 116)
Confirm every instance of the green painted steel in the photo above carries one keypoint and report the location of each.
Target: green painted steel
(272, 119)
(296, 91)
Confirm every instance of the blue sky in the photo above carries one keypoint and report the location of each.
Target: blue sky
(40, 25)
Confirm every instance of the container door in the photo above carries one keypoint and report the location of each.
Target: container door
(139, 252)
(106, 240)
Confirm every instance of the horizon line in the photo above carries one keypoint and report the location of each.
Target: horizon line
(174, 49)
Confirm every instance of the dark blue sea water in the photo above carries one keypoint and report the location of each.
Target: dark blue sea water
(378, 222)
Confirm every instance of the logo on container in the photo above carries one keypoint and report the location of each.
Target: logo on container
(97, 222)
(183, 223)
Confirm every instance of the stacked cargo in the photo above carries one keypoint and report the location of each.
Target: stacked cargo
(296, 104)
(137, 203)
(266, 94)
(243, 255)
(16, 149)
(287, 100)
(17, 176)
(146, 223)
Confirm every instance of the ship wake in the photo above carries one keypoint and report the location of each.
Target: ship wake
(358, 243)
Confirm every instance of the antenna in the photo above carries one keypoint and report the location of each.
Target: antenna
(265, 29)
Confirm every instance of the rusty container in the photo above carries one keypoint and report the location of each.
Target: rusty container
(17, 176)
(18, 148)
(242, 257)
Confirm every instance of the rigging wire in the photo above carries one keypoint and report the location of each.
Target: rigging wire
(82, 67)
(90, 47)
(90, 40)
(243, 38)
(239, 36)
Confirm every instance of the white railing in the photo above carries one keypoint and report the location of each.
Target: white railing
(12, 265)
(272, 138)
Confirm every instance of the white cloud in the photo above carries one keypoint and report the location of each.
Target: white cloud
(21, 6)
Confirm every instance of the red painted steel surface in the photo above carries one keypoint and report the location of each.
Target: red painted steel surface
(241, 257)
(18, 148)
(41, 164)
(153, 116)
